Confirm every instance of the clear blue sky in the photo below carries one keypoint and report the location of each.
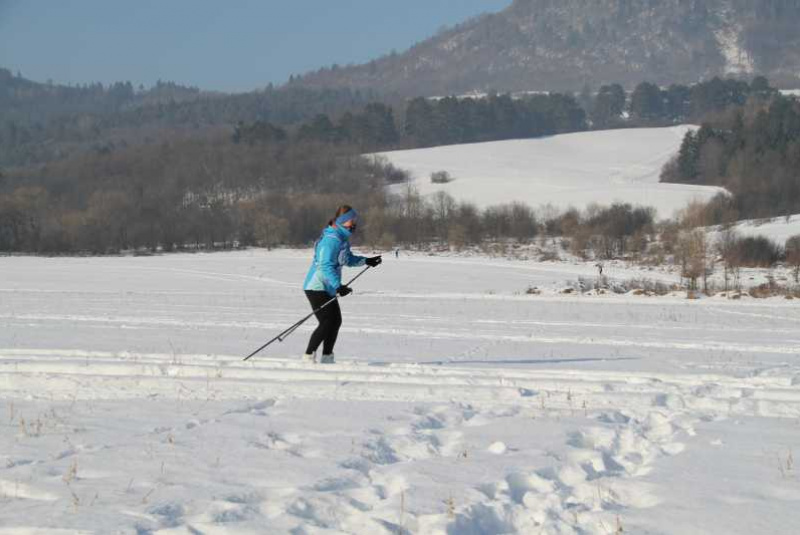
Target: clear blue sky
(233, 45)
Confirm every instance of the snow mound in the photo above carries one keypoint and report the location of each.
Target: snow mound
(498, 448)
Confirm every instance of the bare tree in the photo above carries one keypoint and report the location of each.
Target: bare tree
(693, 255)
(793, 255)
(443, 207)
(727, 250)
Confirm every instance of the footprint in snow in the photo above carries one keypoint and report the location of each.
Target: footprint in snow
(598, 474)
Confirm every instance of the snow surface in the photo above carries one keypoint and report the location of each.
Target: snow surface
(778, 229)
(459, 405)
(563, 171)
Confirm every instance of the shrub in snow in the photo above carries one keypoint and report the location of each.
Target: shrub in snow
(441, 177)
(639, 286)
(758, 251)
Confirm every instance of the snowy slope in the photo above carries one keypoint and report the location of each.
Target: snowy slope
(778, 229)
(460, 405)
(566, 170)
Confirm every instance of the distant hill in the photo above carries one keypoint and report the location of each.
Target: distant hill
(571, 170)
(40, 122)
(29, 101)
(566, 44)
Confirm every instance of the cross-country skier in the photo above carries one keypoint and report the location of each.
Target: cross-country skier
(324, 280)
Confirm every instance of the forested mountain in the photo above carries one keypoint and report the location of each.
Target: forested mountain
(566, 44)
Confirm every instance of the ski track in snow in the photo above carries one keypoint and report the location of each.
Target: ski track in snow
(489, 438)
(198, 377)
(716, 345)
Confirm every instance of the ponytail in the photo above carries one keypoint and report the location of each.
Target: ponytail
(343, 209)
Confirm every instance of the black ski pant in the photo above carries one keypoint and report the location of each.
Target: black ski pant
(330, 319)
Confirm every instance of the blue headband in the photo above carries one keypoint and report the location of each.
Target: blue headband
(345, 217)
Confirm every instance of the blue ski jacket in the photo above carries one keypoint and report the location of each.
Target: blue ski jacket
(331, 252)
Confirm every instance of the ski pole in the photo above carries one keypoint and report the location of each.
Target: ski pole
(285, 334)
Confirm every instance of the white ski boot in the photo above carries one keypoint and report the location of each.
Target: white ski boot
(310, 358)
(327, 359)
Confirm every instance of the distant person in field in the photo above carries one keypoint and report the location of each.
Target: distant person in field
(324, 280)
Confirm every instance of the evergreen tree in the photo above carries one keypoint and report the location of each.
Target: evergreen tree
(687, 158)
(608, 106)
(319, 129)
(381, 128)
(647, 101)
(677, 102)
(419, 123)
(760, 86)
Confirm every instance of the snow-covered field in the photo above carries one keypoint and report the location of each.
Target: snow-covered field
(778, 229)
(563, 171)
(460, 404)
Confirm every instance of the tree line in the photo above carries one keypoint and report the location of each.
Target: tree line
(651, 105)
(47, 122)
(185, 193)
(754, 152)
(426, 123)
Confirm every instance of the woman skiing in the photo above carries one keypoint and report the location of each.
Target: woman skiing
(324, 280)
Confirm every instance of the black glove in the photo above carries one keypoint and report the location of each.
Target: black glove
(344, 290)
(374, 261)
